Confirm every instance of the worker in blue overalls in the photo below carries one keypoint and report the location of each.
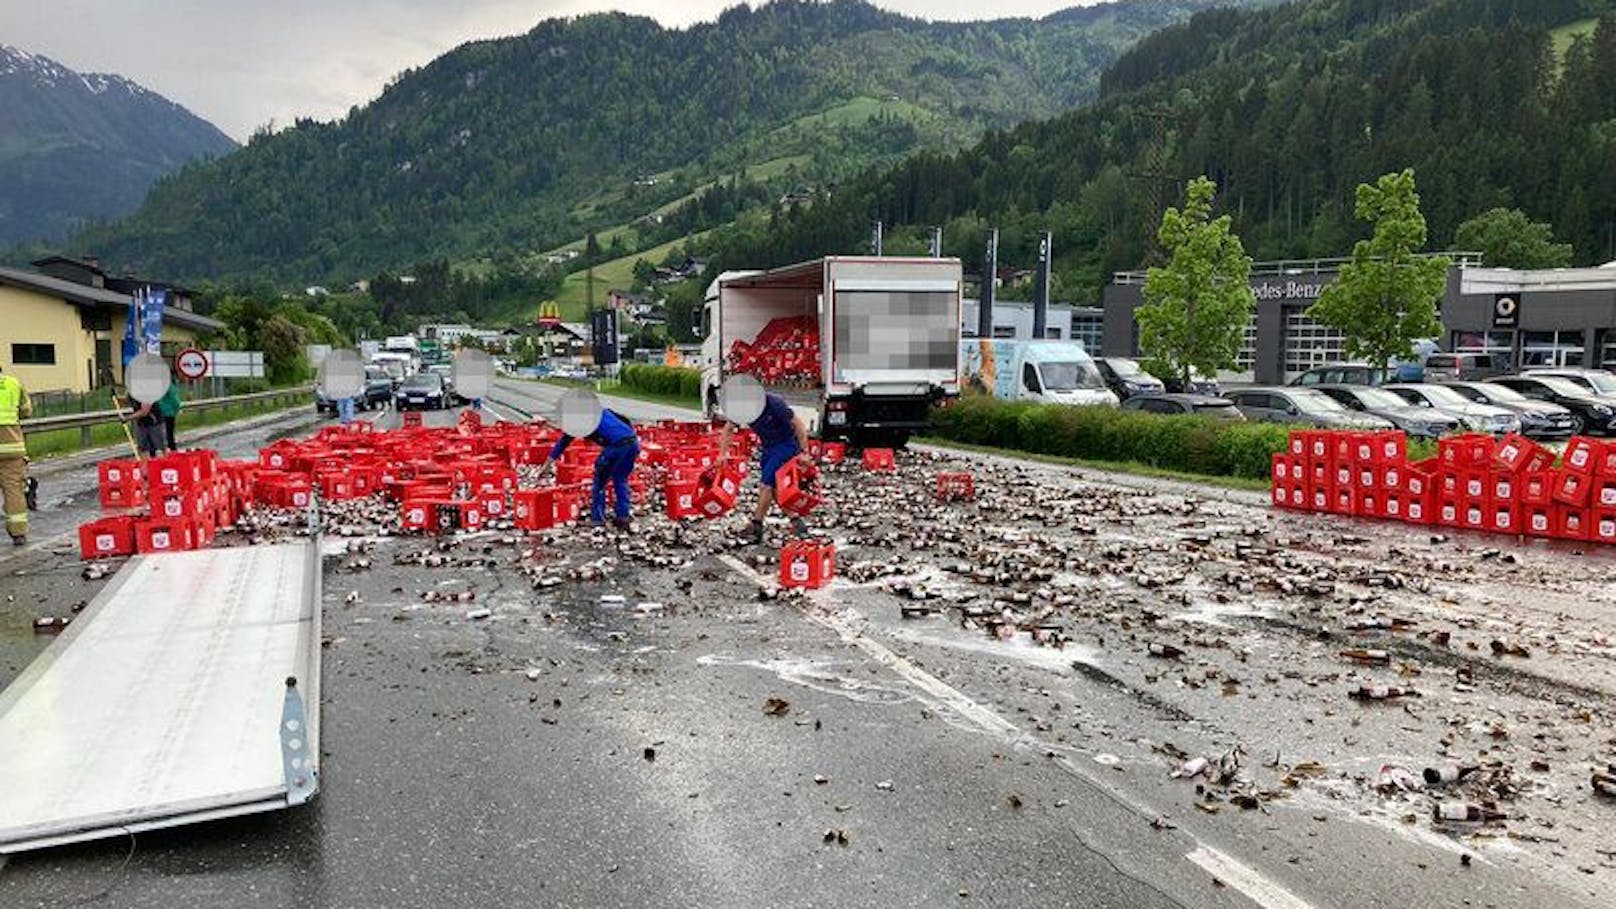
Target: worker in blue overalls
(783, 436)
(619, 449)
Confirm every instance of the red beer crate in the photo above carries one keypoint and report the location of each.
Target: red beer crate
(679, 497)
(1571, 523)
(534, 509)
(1344, 446)
(174, 471)
(1518, 454)
(1606, 465)
(1603, 526)
(1572, 488)
(1449, 482)
(1390, 446)
(718, 489)
(1319, 473)
(1473, 485)
(1604, 492)
(1535, 487)
(412, 419)
(107, 537)
(1448, 511)
(879, 459)
(1538, 520)
(1344, 500)
(1296, 443)
(1394, 506)
(1279, 472)
(157, 535)
(1504, 517)
(1466, 450)
(794, 485)
(807, 563)
(1321, 497)
(1418, 480)
(1582, 455)
(1345, 476)
(1391, 476)
(961, 487)
(1419, 509)
(1369, 502)
(1368, 476)
(172, 504)
(1473, 514)
(1280, 494)
(1504, 488)
(337, 486)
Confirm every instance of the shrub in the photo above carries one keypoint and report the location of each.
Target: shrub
(1190, 444)
(667, 381)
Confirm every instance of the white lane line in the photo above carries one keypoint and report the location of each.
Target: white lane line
(1257, 888)
(941, 692)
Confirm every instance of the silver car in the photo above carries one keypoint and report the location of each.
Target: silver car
(1539, 419)
(1300, 405)
(1475, 416)
(1417, 422)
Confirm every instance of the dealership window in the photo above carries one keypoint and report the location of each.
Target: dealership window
(1483, 342)
(33, 354)
(1309, 344)
(1246, 359)
(1552, 348)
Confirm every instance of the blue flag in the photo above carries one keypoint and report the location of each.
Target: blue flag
(153, 320)
(131, 344)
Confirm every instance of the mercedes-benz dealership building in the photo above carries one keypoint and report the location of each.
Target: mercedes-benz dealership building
(1556, 317)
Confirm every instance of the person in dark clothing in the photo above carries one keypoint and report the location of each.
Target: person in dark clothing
(619, 449)
(151, 436)
(783, 436)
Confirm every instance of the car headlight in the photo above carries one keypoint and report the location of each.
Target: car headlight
(1600, 410)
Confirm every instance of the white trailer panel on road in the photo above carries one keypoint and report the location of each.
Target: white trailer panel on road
(170, 700)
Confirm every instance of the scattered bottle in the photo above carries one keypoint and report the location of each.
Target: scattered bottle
(1443, 774)
(1164, 651)
(1604, 782)
(1368, 657)
(1382, 692)
(1464, 813)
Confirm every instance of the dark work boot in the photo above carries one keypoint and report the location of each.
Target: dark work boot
(753, 533)
(623, 524)
(799, 527)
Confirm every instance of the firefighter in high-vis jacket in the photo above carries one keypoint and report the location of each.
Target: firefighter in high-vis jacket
(14, 407)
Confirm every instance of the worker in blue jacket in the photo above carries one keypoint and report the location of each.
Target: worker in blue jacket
(783, 436)
(619, 449)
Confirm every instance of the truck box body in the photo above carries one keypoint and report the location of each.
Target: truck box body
(1054, 372)
(885, 331)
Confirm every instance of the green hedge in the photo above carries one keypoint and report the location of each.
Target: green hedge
(669, 381)
(1189, 444)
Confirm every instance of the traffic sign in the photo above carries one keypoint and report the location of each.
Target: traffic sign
(191, 363)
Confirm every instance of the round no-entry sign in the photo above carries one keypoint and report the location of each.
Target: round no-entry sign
(191, 363)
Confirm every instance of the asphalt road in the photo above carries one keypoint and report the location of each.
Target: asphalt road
(569, 753)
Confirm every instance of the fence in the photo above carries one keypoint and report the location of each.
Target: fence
(84, 422)
(57, 403)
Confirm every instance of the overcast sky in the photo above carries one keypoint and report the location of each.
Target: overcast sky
(243, 63)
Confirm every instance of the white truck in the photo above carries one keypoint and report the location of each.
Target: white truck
(861, 347)
(1054, 372)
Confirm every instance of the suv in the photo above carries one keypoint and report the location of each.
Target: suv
(378, 393)
(1341, 374)
(1301, 405)
(1595, 381)
(1127, 378)
(1462, 367)
(1591, 413)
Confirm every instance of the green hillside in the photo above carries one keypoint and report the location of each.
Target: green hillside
(517, 145)
(1493, 103)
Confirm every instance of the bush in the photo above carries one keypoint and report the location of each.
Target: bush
(1189, 444)
(667, 381)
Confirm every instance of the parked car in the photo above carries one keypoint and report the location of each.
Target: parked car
(1590, 413)
(1199, 385)
(1173, 403)
(1597, 381)
(1539, 419)
(1417, 422)
(1476, 416)
(1301, 405)
(422, 391)
(1127, 378)
(1341, 374)
(1463, 367)
(378, 392)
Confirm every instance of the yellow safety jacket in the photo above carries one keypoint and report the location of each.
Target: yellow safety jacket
(14, 406)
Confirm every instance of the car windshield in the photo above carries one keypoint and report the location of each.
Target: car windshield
(1317, 402)
(1562, 386)
(1378, 398)
(1070, 376)
(1604, 383)
(1216, 408)
(1127, 368)
(1440, 396)
(422, 381)
(1500, 394)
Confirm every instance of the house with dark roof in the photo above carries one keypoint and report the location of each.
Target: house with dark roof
(61, 326)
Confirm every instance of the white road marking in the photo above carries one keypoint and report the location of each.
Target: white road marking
(1253, 884)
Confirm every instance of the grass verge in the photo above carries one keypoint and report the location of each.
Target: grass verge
(1245, 484)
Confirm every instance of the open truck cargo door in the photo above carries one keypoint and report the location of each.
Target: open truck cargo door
(188, 690)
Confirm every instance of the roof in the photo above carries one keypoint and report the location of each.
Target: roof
(96, 297)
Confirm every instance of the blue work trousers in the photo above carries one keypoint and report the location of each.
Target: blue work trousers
(345, 409)
(613, 466)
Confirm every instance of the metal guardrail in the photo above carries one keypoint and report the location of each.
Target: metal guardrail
(84, 422)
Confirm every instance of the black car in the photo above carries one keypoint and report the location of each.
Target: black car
(422, 391)
(1591, 415)
(378, 393)
(1181, 404)
(1127, 378)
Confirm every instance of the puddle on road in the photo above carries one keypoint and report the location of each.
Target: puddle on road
(1020, 647)
(827, 677)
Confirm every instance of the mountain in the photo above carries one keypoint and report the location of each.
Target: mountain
(511, 147)
(1492, 102)
(78, 147)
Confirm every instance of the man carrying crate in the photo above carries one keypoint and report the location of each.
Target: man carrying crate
(782, 434)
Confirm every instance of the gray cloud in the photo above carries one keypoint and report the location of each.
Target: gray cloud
(245, 63)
